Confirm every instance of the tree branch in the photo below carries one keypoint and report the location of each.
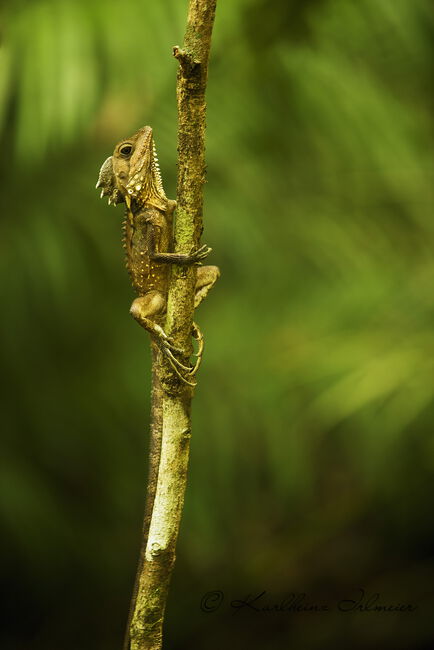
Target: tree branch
(176, 396)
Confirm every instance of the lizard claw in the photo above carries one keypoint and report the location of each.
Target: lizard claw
(198, 336)
(200, 254)
(169, 354)
(165, 340)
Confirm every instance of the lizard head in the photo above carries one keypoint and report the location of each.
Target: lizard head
(132, 172)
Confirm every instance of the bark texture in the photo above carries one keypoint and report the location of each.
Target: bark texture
(156, 430)
(175, 407)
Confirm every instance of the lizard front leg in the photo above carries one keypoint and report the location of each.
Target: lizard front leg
(156, 224)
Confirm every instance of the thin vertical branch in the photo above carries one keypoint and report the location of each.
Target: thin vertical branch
(176, 396)
(155, 435)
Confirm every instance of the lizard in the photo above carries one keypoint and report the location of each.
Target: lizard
(132, 176)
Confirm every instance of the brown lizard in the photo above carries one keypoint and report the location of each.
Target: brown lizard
(132, 176)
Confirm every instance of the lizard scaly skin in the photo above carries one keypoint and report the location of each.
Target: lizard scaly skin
(132, 175)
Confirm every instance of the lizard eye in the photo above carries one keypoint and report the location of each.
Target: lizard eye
(125, 150)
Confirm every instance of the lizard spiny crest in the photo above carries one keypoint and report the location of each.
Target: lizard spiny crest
(145, 182)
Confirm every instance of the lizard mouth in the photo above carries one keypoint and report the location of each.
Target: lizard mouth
(106, 181)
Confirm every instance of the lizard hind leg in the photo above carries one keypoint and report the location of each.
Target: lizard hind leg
(207, 276)
(144, 309)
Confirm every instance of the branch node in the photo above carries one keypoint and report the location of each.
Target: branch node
(187, 62)
(156, 549)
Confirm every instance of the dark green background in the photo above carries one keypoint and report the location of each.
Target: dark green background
(312, 453)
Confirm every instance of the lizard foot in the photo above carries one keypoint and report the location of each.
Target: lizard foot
(192, 370)
(198, 336)
(170, 350)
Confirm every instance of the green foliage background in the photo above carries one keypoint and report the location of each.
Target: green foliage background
(312, 458)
